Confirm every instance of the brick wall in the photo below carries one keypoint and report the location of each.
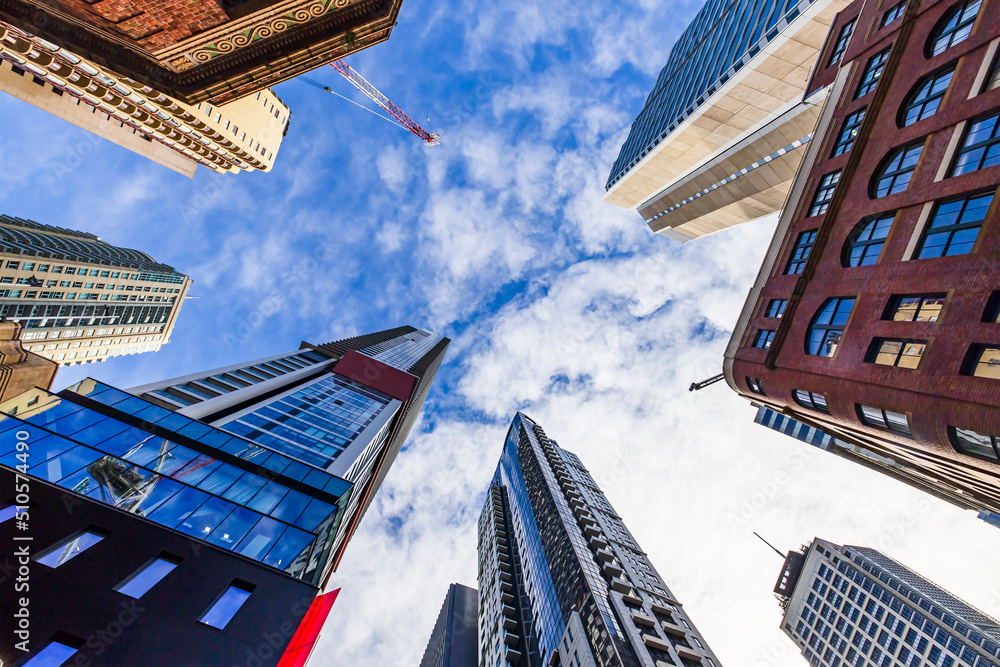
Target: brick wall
(152, 24)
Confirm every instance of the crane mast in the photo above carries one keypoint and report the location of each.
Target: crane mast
(362, 84)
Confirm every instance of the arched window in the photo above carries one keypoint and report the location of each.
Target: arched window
(864, 244)
(896, 171)
(925, 100)
(972, 443)
(828, 327)
(811, 400)
(886, 420)
(955, 27)
(954, 227)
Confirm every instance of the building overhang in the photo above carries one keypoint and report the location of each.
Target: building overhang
(769, 85)
(376, 375)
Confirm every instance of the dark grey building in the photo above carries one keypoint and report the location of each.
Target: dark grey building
(453, 640)
(562, 582)
(194, 521)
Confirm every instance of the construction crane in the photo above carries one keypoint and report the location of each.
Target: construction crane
(401, 119)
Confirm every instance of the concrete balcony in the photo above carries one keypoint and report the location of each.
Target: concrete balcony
(506, 587)
(576, 502)
(660, 609)
(641, 618)
(512, 654)
(621, 586)
(612, 570)
(509, 623)
(598, 542)
(507, 611)
(506, 598)
(654, 642)
(591, 530)
(604, 556)
(510, 639)
(688, 653)
(631, 599)
(673, 629)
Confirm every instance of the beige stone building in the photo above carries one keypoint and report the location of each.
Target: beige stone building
(723, 132)
(81, 300)
(242, 135)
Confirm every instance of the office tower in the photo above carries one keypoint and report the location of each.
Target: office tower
(80, 299)
(874, 315)
(562, 582)
(196, 520)
(453, 640)
(846, 605)
(724, 129)
(241, 134)
(207, 50)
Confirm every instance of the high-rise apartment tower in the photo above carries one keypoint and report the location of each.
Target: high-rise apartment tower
(80, 299)
(239, 135)
(453, 640)
(875, 313)
(562, 582)
(194, 521)
(848, 605)
(724, 129)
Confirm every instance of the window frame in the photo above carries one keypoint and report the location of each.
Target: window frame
(890, 15)
(843, 41)
(973, 359)
(929, 82)
(763, 339)
(953, 438)
(775, 308)
(807, 399)
(854, 240)
(236, 585)
(953, 228)
(816, 325)
(127, 582)
(852, 124)
(869, 80)
(825, 190)
(886, 423)
(963, 149)
(801, 252)
(877, 348)
(43, 555)
(895, 301)
(991, 313)
(956, 11)
(886, 172)
(756, 385)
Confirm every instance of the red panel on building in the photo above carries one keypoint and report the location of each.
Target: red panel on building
(305, 637)
(381, 377)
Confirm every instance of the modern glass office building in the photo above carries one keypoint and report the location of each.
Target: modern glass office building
(727, 103)
(240, 485)
(562, 582)
(453, 640)
(847, 605)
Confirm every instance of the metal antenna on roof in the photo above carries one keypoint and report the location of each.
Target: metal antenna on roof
(770, 545)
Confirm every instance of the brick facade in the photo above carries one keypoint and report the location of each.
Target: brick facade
(151, 24)
(935, 395)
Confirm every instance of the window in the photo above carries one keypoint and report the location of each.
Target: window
(915, 308)
(8, 513)
(848, 133)
(54, 654)
(224, 608)
(811, 400)
(926, 99)
(972, 443)
(992, 312)
(955, 27)
(993, 80)
(892, 352)
(873, 70)
(756, 385)
(886, 420)
(824, 193)
(218, 117)
(893, 13)
(828, 327)
(68, 549)
(208, 110)
(843, 39)
(150, 574)
(980, 147)
(763, 338)
(954, 227)
(776, 307)
(983, 361)
(800, 253)
(864, 244)
(896, 172)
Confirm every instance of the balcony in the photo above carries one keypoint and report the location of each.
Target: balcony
(654, 642)
(612, 570)
(591, 530)
(603, 556)
(506, 598)
(598, 542)
(509, 623)
(688, 653)
(672, 629)
(512, 654)
(621, 586)
(510, 639)
(642, 619)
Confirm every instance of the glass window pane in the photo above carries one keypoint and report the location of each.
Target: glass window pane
(234, 528)
(145, 578)
(69, 549)
(220, 479)
(201, 522)
(150, 452)
(315, 514)
(179, 507)
(156, 491)
(261, 538)
(989, 363)
(268, 497)
(75, 422)
(41, 449)
(53, 655)
(244, 488)
(290, 544)
(291, 506)
(64, 464)
(974, 444)
(52, 412)
(99, 432)
(219, 615)
(124, 442)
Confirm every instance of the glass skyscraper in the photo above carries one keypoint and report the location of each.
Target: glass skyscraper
(244, 482)
(453, 640)
(854, 606)
(562, 582)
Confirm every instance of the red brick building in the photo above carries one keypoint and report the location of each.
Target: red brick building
(214, 50)
(875, 314)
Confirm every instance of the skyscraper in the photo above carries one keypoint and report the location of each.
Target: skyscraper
(453, 639)
(848, 605)
(874, 315)
(238, 488)
(724, 129)
(562, 582)
(239, 135)
(81, 299)
(207, 50)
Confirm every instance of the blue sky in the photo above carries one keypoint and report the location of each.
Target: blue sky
(558, 304)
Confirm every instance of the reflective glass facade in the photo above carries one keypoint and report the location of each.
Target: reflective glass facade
(855, 606)
(316, 423)
(721, 40)
(404, 351)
